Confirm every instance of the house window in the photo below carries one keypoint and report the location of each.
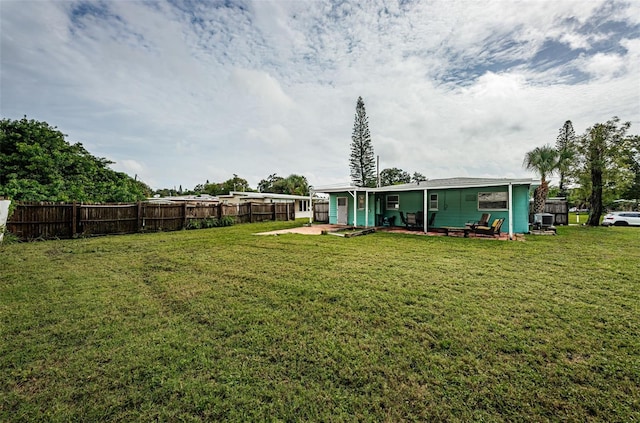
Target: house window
(433, 201)
(303, 205)
(393, 202)
(493, 201)
(360, 201)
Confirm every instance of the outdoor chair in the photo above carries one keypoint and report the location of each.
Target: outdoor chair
(403, 218)
(419, 219)
(411, 220)
(484, 221)
(494, 229)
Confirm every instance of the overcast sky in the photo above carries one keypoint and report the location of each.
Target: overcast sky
(183, 92)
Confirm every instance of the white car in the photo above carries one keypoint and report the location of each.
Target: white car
(621, 219)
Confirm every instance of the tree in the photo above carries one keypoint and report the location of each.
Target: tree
(362, 161)
(544, 161)
(235, 184)
(267, 185)
(394, 176)
(292, 185)
(565, 144)
(633, 191)
(603, 164)
(418, 177)
(38, 164)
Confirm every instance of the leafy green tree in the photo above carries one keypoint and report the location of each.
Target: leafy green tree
(544, 161)
(633, 191)
(418, 177)
(267, 185)
(292, 184)
(235, 184)
(394, 176)
(566, 146)
(362, 161)
(38, 164)
(603, 164)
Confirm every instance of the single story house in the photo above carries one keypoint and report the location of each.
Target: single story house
(442, 202)
(301, 203)
(195, 200)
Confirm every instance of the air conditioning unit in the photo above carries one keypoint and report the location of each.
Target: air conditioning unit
(543, 220)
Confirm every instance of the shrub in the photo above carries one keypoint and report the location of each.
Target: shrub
(194, 224)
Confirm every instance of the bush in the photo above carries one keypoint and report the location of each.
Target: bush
(210, 222)
(226, 221)
(194, 224)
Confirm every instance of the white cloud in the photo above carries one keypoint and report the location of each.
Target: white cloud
(182, 94)
(261, 86)
(604, 66)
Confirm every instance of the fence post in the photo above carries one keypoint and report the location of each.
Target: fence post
(74, 219)
(275, 216)
(184, 215)
(139, 216)
(250, 212)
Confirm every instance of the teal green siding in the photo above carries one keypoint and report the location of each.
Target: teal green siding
(409, 202)
(361, 214)
(459, 206)
(521, 209)
(455, 207)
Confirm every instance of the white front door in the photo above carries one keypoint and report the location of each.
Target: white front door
(343, 210)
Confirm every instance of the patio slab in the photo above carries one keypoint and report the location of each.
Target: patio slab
(317, 229)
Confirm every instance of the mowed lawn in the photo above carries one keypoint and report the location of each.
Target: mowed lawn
(221, 324)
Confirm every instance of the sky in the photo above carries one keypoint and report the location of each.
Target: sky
(181, 92)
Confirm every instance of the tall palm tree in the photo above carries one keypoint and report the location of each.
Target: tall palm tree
(544, 161)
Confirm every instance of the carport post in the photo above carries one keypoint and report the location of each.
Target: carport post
(425, 215)
(355, 208)
(510, 211)
(366, 209)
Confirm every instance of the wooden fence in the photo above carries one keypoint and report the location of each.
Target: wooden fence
(321, 212)
(559, 208)
(31, 221)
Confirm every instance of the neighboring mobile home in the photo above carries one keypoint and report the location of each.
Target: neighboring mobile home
(444, 202)
(301, 203)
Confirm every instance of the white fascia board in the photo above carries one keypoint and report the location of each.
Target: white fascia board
(425, 185)
(496, 183)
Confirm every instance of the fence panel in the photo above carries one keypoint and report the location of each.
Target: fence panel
(557, 207)
(321, 212)
(162, 217)
(42, 220)
(243, 213)
(201, 211)
(261, 212)
(58, 220)
(105, 219)
(283, 211)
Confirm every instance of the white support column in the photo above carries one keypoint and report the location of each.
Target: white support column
(310, 207)
(510, 211)
(425, 217)
(354, 194)
(366, 209)
(355, 208)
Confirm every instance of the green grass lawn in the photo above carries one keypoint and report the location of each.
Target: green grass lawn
(220, 324)
(579, 218)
